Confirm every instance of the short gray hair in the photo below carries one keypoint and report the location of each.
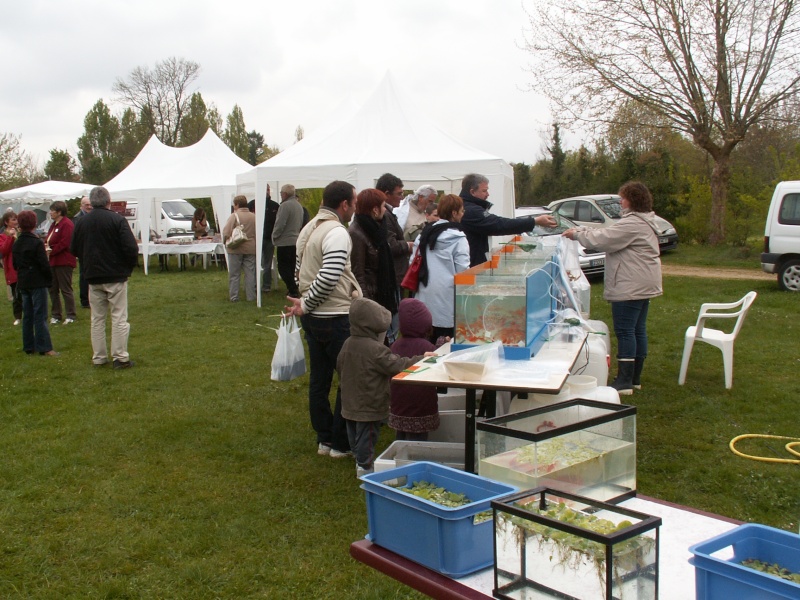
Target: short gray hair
(288, 189)
(99, 197)
(472, 181)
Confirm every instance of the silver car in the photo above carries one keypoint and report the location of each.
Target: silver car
(602, 210)
(592, 261)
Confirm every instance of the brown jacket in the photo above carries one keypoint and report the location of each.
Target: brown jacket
(247, 219)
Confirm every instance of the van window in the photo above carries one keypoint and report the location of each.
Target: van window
(178, 209)
(789, 213)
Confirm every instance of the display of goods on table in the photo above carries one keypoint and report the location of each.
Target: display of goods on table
(550, 544)
(407, 513)
(750, 561)
(579, 446)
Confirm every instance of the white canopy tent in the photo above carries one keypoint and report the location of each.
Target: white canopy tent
(205, 169)
(38, 197)
(387, 134)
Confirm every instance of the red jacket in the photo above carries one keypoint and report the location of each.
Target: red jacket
(6, 242)
(58, 239)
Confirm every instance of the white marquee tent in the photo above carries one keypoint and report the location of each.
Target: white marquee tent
(38, 196)
(387, 134)
(205, 169)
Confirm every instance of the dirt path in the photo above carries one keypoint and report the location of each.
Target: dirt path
(711, 273)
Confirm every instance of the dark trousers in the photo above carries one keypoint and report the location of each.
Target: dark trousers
(325, 338)
(287, 255)
(630, 327)
(16, 303)
(62, 284)
(363, 437)
(84, 286)
(35, 334)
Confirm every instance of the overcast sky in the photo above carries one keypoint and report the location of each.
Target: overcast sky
(284, 62)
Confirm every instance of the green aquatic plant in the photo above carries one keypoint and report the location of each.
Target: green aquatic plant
(440, 495)
(773, 569)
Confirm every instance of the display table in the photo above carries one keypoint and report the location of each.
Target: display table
(206, 248)
(547, 370)
(681, 527)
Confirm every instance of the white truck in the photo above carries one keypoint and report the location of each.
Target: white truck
(782, 236)
(174, 220)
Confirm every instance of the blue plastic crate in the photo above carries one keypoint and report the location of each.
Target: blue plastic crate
(443, 539)
(723, 577)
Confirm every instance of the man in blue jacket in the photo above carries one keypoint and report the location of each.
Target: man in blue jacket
(104, 243)
(478, 223)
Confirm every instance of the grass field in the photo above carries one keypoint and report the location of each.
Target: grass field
(194, 476)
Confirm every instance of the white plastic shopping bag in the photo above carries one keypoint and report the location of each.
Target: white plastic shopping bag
(289, 360)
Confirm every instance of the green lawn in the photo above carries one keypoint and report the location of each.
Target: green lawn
(194, 476)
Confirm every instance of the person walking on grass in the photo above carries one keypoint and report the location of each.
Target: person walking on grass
(327, 289)
(104, 243)
(242, 257)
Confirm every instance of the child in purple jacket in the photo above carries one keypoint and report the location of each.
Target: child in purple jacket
(414, 410)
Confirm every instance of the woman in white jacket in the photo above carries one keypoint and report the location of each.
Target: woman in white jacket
(632, 277)
(445, 252)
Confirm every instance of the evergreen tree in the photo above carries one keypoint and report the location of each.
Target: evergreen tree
(61, 166)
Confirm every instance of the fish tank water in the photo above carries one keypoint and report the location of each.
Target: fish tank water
(512, 306)
(580, 446)
(550, 544)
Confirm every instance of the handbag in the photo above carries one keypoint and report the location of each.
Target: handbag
(238, 236)
(411, 279)
(289, 359)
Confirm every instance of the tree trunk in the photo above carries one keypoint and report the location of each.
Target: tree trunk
(720, 180)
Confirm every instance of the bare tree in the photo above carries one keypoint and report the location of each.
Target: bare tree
(712, 68)
(161, 95)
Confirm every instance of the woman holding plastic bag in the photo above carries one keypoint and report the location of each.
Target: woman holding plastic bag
(632, 277)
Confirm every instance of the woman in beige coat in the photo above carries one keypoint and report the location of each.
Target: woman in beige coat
(632, 277)
(243, 257)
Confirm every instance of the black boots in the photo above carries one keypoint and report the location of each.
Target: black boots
(624, 381)
(638, 365)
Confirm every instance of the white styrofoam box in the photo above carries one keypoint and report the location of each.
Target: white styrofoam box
(402, 452)
(451, 427)
(454, 399)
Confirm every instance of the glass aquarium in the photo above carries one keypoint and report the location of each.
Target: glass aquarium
(579, 446)
(549, 544)
(510, 305)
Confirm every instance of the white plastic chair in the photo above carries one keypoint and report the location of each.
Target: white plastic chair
(720, 339)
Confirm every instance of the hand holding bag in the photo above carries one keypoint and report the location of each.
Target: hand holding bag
(289, 360)
(411, 279)
(238, 236)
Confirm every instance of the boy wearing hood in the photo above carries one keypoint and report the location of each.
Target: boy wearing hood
(365, 366)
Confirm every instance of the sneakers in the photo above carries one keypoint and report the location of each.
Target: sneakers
(361, 471)
(68, 321)
(16, 322)
(53, 321)
(339, 454)
(323, 449)
(118, 364)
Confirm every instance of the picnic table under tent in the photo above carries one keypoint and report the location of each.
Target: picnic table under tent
(159, 172)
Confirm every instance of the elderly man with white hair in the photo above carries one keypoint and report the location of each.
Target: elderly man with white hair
(411, 213)
(288, 223)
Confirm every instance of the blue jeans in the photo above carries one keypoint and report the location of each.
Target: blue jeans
(325, 338)
(630, 327)
(35, 334)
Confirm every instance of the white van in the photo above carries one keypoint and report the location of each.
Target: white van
(175, 219)
(782, 236)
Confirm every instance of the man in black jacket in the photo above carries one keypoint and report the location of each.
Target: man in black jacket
(86, 208)
(104, 243)
(478, 223)
(267, 248)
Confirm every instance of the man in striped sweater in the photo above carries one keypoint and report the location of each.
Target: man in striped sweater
(327, 288)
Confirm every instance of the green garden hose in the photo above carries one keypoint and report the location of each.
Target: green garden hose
(790, 448)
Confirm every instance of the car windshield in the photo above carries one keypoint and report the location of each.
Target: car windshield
(611, 206)
(178, 209)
